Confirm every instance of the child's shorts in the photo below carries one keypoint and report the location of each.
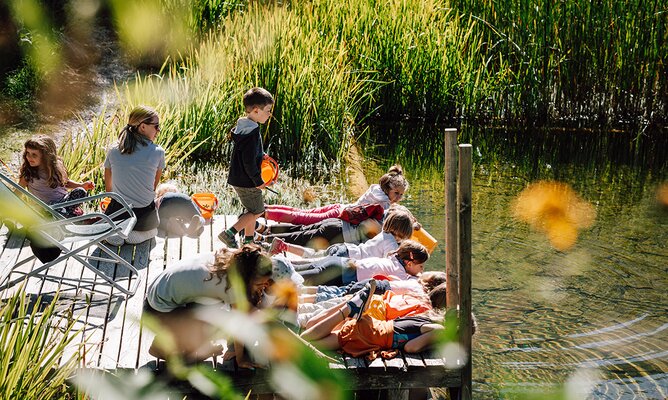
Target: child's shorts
(407, 328)
(329, 292)
(251, 199)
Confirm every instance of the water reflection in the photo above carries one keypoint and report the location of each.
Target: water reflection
(544, 314)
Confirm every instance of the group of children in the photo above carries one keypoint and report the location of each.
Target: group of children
(361, 278)
(132, 168)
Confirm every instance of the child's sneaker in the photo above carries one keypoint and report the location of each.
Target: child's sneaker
(228, 239)
(278, 245)
(360, 300)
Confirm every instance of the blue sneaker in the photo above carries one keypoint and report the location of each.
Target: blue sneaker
(359, 303)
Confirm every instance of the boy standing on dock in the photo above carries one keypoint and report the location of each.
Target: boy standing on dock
(247, 155)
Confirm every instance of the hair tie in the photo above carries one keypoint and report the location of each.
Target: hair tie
(129, 127)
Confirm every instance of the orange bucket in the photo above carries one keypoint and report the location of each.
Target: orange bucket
(423, 237)
(207, 203)
(269, 170)
(104, 203)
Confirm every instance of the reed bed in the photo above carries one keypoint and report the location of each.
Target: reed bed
(335, 67)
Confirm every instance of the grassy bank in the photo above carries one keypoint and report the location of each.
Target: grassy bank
(337, 67)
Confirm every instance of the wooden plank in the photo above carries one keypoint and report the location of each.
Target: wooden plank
(206, 238)
(189, 247)
(173, 253)
(451, 238)
(100, 310)
(396, 364)
(122, 332)
(113, 331)
(155, 267)
(221, 223)
(465, 176)
(413, 361)
(89, 308)
(354, 363)
(11, 252)
(377, 364)
(31, 284)
(129, 351)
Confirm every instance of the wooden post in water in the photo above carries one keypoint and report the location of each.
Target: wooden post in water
(451, 242)
(464, 200)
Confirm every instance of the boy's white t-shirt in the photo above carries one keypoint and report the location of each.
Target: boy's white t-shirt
(368, 267)
(379, 246)
(188, 281)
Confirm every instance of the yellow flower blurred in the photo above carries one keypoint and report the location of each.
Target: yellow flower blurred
(286, 294)
(285, 346)
(555, 209)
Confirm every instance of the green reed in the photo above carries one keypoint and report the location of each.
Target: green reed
(513, 61)
(32, 345)
(335, 66)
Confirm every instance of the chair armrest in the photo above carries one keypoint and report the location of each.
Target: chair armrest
(126, 207)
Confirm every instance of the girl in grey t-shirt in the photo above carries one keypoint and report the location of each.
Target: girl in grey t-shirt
(133, 168)
(203, 280)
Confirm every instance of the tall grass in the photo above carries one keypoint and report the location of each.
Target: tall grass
(335, 66)
(32, 342)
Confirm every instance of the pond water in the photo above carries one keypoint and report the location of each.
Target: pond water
(547, 317)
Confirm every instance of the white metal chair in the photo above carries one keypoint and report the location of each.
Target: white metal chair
(48, 228)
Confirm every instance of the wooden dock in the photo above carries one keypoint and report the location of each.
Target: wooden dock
(112, 338)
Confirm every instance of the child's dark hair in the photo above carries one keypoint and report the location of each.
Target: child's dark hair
(55, 170)
(438, 296)
(410, 250)
(399, 224)
(248, 262)
(257, 97)
(130, 138)
(394, 178)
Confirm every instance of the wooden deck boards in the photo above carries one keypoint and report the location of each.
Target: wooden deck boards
(114, 339)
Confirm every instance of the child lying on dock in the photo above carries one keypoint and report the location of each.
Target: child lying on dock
(361, 334)
(407, 262)
(397, 226)
(389, 190)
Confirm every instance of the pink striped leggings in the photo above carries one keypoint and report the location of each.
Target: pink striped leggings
(299, 216)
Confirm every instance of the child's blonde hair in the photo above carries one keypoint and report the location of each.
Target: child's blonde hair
(165, 188)
(55, 170)
(394, 178)
(399, 224)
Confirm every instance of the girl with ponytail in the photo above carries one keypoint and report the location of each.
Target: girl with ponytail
(133, 168)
